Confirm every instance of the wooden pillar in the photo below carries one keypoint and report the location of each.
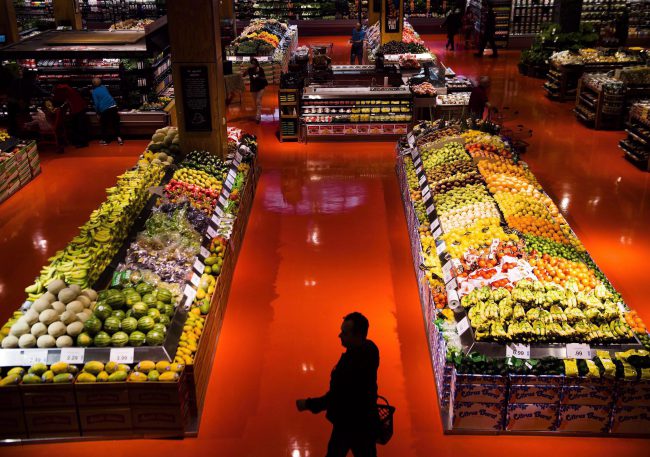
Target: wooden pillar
(374, 11)
(226, 9)
(8, 23)
(67, 12)
(392, 20)
(195, 40)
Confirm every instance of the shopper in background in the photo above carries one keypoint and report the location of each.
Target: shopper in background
(478, 99)
(109, 116)
(48, 121)
(358, 35)
(71, 102)
(489, 33)
(258, 84)
(622, 27)
(21, 91)
(453, 22)
(468, 27)
(351, 402)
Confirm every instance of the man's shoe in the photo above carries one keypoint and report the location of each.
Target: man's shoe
(103, 143)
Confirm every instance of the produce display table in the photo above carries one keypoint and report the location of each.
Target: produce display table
(497, 388)
(19, 164)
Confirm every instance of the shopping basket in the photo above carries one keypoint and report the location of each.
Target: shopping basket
(386, 412)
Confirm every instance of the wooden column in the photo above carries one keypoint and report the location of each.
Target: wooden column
(8, 23)
(194, 36)
(392, 20)
(374, 13)
(226, 9)
(67, 12)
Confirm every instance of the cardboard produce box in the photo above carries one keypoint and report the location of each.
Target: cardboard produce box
(549, 394)
(477, 416)
(584, 418)
(532, 417)
(631, 419)
(44, 423)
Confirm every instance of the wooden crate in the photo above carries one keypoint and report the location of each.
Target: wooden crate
(48, 396)
(46, 423)
(116, 420)
(93, 395)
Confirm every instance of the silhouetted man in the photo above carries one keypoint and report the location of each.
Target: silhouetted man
(351, 402)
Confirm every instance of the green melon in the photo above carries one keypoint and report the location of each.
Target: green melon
(92, 325)
(119, 339)
(165, 320)
(169, 310)
(129, 325)
(120, 314)
(116, 300)
(102, 339)
(103, 311)
(132, 298)
(112, 325)
(145, 324)
(84, 340)
(155, 338)
(137, 339)
(139, 310)
(128, 291)
(144, 288)
(101, 296)
(164, 295)
(149, 299)
(160, 328)
(154, 314)
(160, 306)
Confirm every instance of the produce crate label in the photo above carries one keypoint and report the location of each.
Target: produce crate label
(631, 420)
(463, 325)
(121, 355)
(524, 394)
(195, 280)
(338, 130)
(199, 266)
(72, 355)
(33, 356)
(532, 417)
(587, 395)
(204, 252)
(477, 416)
(484, 393)
(578, 351)
(11, 358)
(584, 418)
(520, 351)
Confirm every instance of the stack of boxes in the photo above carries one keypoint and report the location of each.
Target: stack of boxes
(17, 167)
(533, 402)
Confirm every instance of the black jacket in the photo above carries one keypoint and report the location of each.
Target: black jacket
(352, 398)
(258, 79)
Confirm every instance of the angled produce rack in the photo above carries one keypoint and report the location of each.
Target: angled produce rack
(510, 382)
(137, 384)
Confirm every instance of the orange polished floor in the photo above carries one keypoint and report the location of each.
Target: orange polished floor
(327, 236)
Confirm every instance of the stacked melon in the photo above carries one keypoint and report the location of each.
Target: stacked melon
(134, 316)
(53, 320)
(165, 143)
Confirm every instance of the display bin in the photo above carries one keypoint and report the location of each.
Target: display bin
(106, 421)
(588, 391)
(633, 394)
(43, 396)
(532, 417)
(47, 423)
(484, 417)
(631, 420)
(12, 418)
(482, 393)
(535, 389)
(93, 395)
(584, 418)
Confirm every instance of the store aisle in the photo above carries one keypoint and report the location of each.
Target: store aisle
(327, 236)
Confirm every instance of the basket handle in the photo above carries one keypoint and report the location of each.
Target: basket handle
(379, 397)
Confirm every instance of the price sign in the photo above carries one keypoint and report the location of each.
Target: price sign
(121, 355)
(195, 280)
(190, 293)
(446, 272)
(440, 248)
(11, 358)
(223, 201)
(212, 232)
(578, 351)
(226, 192)
(198, 266)
(621, 308)
(423, 179)
(219, 212)
(426, 193)
(411, 139)
(463, 325)
(72, 355)
(230, 180)
(33, 356)
(204, 252)
(437, 232)
(430, 209)
(520, 351)
(215, 219)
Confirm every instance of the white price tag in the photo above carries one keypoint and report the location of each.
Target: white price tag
(223, 200)
(215, 219)
(204, 252)
(578, 351)
(219, 212)
(463, 325)
(446, 272)
(230, 180)
(196, 279)
(426, 193)
(437, 232)
(440, 248)
(33, 356)
(121, 355)
(430, 209)
(198, 266)
(73, 356)
(11, 358)
(226, 192)
(211, 232)
(520, 351)
(422, 180)
(190, 293)
(621, 308)
(411, 139)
